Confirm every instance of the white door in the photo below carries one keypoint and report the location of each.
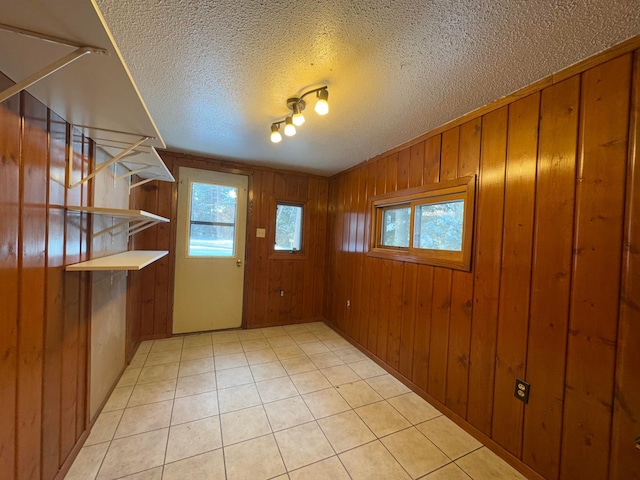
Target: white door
(210, 242)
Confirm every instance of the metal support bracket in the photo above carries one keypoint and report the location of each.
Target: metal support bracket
(141, 182)
(103, 165)
(130, 173)
(80, 51)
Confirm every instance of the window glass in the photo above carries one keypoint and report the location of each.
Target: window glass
(288, 227)
(212, 224)
(438, 226)
(395, 226)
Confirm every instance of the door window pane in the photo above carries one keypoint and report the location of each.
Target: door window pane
(288, 227)
(438, 226)
(395, 226)
(212, 220)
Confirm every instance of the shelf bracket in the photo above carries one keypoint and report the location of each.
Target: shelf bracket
(112, 228)
(133, 172)
(103, 165)
(141, 182)
(132, 226)
(80, 51)
(142, 225)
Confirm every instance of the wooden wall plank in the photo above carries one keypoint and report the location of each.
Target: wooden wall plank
(488, 248)
(422, 331)
(594, 305)
(551, 275)
(321, 248)
(384, 281)
(625, 457)
(462, 288)
(262, 287)
(356, 298)
(52, 355)
(312, 210)
(10, 125)
(31, 261)
(339, 232)
(403, 169)
(349, 235)
(515, 280)
(431, 171)
(405, 361)
(72, 316)
(416, 164)
(439, 337)
(441, 308)
(82, 392)
(368, 262)
(395, 315)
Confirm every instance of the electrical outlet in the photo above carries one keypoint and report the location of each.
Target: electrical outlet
(521, 391)
(282, 293)
(348, 303)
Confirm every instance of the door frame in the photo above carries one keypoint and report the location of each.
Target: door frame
(175, 169)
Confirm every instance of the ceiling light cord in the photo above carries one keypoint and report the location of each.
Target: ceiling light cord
(296, 118)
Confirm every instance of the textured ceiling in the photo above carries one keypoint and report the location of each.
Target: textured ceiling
(216, 74)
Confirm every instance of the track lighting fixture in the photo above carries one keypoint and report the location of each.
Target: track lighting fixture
(296, 118)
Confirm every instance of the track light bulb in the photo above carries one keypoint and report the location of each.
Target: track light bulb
(297, 117)
(275, 134)
(322, 105)
(289, 129)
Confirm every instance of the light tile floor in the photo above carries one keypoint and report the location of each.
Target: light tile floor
(295, 402)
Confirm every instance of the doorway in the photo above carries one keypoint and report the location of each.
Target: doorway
(210, 250)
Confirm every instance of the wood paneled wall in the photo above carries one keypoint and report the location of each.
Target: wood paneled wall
(44, 311)
(301, 277)
(554, 291)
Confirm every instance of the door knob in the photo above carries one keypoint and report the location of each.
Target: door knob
(239, 263)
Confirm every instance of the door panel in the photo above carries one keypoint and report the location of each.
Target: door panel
(210, 250)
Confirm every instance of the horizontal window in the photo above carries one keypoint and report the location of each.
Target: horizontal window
(431, 224)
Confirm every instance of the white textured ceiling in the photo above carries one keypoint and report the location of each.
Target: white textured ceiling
(216, 74)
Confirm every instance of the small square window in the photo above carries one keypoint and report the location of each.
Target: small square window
(288, 227)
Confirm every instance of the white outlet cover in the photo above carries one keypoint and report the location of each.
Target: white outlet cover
(261, 232)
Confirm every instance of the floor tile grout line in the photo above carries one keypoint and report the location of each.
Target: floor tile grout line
(331, 349)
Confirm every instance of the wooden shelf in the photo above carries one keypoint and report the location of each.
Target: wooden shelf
(130, 260)
(134, 220)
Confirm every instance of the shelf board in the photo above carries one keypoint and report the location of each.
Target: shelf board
(135, 221)
(121, 213)
(95, 91)
(130, 260)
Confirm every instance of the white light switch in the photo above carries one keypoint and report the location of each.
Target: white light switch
(260, 232)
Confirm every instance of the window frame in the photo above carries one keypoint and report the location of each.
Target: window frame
(301, 254)
(459, 189)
